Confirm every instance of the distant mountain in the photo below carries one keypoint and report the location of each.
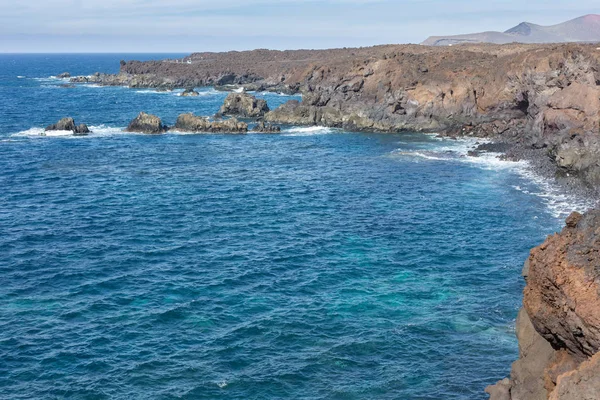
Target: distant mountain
(582, 29)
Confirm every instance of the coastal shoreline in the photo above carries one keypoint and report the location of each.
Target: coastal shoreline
(541, 100)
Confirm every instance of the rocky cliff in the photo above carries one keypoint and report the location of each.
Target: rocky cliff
(559, 326)
(545, 98)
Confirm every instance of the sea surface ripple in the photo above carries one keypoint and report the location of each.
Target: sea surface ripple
(316, 264)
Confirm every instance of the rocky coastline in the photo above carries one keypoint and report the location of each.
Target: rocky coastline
(542, 100)
(539, 103)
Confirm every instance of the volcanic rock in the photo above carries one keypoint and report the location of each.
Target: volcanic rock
(190, 92)
(146, 123)
(559, 327)
(243, 105)
(64, 75)
(262, 127)
(68, 124)
(192, 123)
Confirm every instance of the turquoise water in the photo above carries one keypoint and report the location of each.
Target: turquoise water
(316, 264)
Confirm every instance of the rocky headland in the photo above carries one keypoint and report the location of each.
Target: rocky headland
(543, 100)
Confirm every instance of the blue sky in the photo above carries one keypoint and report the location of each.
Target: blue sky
(199, 25)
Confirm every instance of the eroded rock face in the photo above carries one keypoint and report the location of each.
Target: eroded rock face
(68, 124)
(562, 295)
(559, 326)
(192, 123)
(582, 383)
(146, 123)
(244, 105)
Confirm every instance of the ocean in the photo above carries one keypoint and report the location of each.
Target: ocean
(315, 264)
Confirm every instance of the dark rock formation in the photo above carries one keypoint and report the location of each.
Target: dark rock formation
(559, 326)
(192, 123)
(535, 96)
(64, 75)
(243, 105)
(68, 124)
(190, 92)
(146, 123)
(262, 127)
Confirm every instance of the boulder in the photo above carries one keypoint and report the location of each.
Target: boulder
(243, 105)
(65, 124)
(196, 124)
(146, 123)
(81, 130)
(190, 92)
(262, 127)
(68, 124)
(64, 75)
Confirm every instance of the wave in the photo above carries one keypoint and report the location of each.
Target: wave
(104, 130)
(308, 131)
(21, 77)
(425, 155)
(41, 132)
(97, 130)
(559, 203)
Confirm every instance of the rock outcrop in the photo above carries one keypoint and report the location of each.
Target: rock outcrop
(146, 123)
(190, 92)
(64, 75)
(263, 127)
(559, 326)
(192, 123)
(243, 105)
(540, 97)
(68, 124)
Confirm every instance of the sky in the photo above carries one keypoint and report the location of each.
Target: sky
(185, 26)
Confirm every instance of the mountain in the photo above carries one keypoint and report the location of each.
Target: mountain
(582, 29)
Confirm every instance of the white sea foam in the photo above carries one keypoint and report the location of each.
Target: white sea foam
(308, 131)
(420, 154)
(559, 203)
(240, 90)
(20, 77)
(104, 130)
(40, 132)
(98, 130)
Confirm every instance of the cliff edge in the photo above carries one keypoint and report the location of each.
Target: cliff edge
(559, 326)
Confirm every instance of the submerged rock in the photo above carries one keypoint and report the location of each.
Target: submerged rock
(146, 123)
(262, 127)
(192, 123)
(244, 105)
(190, 93)
(68, 124)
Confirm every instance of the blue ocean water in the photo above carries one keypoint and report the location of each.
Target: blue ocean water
(316, 264)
